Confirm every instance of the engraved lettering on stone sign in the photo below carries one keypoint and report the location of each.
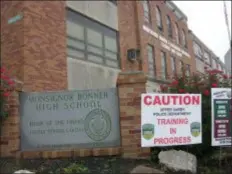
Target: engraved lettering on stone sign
(44, 103)
(69, 119)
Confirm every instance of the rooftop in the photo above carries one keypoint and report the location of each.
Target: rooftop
(195, 38)
(179, 14)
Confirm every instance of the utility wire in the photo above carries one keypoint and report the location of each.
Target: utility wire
(227, 21)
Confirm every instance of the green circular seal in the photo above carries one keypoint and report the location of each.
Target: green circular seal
(97, 124)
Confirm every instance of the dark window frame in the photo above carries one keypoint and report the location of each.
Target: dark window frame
(153, 59)
(169, 26)
(208, 62)
(199, 52)
(173, 61)
(177, 32)
(159, 23)
(86, 22)
(148, 13)
(184, 38)
(182, 68)
(164, 57)
(188, 69)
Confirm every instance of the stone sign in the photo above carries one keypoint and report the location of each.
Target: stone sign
(69, 119)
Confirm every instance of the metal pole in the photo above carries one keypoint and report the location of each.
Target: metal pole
(220, 159)
(230, 46)
(230, 111)
(227, 22)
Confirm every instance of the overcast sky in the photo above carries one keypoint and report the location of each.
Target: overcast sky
(206, 20)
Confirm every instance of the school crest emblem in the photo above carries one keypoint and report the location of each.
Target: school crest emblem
(148, 131)
(195, 129)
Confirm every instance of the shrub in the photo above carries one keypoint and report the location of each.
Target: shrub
(7, 84)
(200, 83)
(73, 168)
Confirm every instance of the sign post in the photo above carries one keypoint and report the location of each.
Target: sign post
(221, 116)
(170, 119)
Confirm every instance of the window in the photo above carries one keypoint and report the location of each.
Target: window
(207, 57)
(146, 11)
(197, 50)
(151, 61)
(200, 65)
(217, 66)
(113, 1)
(163, 65)
(91, 41)
(181, 66)
(214, 64)
(159, 19)
(184, 41)
(177, 33)
(187, 70)
(169, 25)
(173, 65)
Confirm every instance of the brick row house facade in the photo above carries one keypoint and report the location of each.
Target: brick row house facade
(204, 57)
(84, 44)
(77, 45)
(227, 60)
(165, 45)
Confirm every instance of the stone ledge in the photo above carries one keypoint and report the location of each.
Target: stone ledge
(131, 72)
(68, 153)
(131, 77)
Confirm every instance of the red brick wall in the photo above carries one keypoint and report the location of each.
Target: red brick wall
(36, 45)
(131, 21)
(10, 128)
(128, 32)
(130, 87)
(45, 45)
(12, 39)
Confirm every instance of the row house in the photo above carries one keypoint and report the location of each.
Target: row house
(228, 62)
(159, 30)
(60, 45)
(204, 57)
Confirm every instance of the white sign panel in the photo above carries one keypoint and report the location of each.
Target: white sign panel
(221, 116)
(170, 119)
